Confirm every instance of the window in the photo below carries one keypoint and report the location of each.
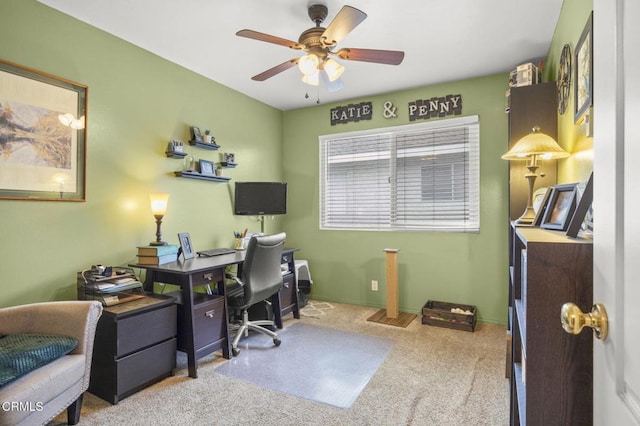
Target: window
(416, 177)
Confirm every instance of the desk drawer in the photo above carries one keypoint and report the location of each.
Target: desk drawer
(287, 258)
(139, 331)
(288, 291)
(209, 321)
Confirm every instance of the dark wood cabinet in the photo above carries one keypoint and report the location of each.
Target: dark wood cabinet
(530, 106)
(135, 346)
(289, 292)
(551, 370)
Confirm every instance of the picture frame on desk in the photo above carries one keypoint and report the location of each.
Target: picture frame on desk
(560, 207)
(186, 247)
(44, 136)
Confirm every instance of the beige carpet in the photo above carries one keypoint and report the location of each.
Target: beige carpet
(433, 376)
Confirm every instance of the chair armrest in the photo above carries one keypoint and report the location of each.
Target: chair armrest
(77, 319)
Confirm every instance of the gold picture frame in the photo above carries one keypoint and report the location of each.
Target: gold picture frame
(42, 135)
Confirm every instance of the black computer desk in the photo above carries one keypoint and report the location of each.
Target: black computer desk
(202, 317)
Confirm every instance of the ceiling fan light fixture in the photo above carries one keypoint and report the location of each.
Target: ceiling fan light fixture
(308, 64)
(312, 79)
(333, 69)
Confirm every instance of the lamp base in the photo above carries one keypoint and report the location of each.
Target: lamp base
(527, 218)
(158, 243)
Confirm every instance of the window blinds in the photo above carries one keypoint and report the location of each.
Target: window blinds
(416, 177)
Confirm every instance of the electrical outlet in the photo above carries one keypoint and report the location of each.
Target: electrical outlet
(374, 285)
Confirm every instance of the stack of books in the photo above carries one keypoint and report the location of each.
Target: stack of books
(157, 255)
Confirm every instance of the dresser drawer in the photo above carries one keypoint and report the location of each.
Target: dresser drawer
(209, 322)
(140, 331)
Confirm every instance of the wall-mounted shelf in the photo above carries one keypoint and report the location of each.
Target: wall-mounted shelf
(171, 154)
(212, 146)
(227, 165)
(196, 175)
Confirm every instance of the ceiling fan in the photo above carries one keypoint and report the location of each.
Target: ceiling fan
(320, 43)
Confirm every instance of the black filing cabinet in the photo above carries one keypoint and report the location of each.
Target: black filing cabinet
(289, 292)
(135, 346)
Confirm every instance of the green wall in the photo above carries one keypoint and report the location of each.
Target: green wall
(575, 138)
(461, 268)
(137, 103)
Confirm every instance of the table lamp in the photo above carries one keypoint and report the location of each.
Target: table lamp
(159, 202)
(536, 145)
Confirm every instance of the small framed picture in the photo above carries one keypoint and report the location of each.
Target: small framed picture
(196, 136)
(185, 245)
(540, 201)
(560, 207)
(583, 208)
(229, 157)
(206, 167)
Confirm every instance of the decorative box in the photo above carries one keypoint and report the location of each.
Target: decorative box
(440, 314)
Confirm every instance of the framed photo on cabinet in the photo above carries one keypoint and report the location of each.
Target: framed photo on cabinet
(560, 207)
(582, 213)
(583, 93)
(42, 135)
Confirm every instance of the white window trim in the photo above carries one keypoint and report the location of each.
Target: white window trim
(472, 226)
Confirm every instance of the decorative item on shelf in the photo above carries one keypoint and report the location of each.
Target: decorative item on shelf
(208, 137)
(228, 160)
(175, 149)
(159, 202)
(536, 145)
(218, 172)
(189, 164)
(196, 136)
(207, 167)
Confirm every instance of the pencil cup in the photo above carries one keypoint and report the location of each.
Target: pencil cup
(238, 244)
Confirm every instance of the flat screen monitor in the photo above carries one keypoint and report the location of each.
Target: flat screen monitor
(260, 198)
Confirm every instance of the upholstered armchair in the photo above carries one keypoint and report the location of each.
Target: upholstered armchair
(45, 392)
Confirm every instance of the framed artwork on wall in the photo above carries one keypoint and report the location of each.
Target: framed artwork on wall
(560, 207)
(42, 135)
(583, 93)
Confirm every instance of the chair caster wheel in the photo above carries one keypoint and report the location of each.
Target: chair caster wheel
(276, 341)
(235, 351)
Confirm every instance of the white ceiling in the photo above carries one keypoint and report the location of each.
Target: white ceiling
(443, 40)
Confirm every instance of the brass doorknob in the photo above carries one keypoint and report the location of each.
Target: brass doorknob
(574, 320)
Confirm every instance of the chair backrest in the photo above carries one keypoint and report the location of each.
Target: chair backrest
(261, 272)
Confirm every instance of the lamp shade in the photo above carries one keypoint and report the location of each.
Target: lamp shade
(538, 144)
(159, 201)
(333, 69)
(312, 79)
(308, 64)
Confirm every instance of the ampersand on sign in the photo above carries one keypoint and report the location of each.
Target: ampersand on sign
(389, 110)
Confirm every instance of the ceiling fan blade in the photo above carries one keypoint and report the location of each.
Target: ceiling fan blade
(344, 22)
(275, 70)
(389, 57)
(268, 38)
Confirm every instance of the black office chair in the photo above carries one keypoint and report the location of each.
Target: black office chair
(259, 279)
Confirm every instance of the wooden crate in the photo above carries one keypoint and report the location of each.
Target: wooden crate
(439, 314)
